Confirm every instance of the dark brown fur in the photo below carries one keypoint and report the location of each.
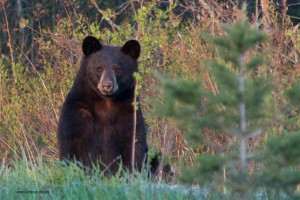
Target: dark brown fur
(96, 122)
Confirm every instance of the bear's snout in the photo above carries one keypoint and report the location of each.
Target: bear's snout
(107, 86)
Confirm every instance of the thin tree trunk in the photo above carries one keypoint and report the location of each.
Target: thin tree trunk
(134, 129)
(242, 110)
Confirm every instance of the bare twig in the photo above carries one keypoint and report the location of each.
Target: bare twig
(113, 25)
(9, 43)
(3, 163)
(160, 167)
(123, 7)
(254, 134)
(134, 128)
(132, 6)
(110, 164)
(30, 154)
(3, 143)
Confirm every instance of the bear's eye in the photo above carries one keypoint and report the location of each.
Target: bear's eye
(117, 69)
(100, 68)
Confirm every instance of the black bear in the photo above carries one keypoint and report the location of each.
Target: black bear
(96, 121)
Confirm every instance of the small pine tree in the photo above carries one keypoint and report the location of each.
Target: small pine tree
(239, 109)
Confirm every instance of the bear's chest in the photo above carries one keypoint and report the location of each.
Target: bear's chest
(113, 120)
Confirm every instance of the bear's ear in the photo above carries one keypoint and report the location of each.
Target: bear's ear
(132, 48)
(90, 45)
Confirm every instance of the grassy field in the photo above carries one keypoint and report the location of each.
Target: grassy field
(34, 81)
(53, 180)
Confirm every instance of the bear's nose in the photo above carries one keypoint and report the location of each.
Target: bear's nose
(107, 86)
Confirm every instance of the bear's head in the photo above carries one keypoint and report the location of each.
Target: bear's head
(110, 68)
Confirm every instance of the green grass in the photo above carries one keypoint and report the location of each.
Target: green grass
(55, 180)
